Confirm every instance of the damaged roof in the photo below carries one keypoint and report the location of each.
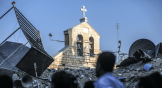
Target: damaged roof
(60, 51)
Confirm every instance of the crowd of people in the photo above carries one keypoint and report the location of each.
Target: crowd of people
(104, 69)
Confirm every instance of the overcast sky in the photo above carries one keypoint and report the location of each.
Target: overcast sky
(137, 19)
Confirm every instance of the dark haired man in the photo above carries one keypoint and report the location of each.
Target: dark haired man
(62, 79)
(89, 84)
(6, 81)
(151, 81)
(104, 68)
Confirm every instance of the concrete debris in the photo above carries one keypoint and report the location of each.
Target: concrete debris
(130, 74)
(136, 71)
(82, 75)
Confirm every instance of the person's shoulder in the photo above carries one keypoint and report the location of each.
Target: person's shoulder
(103, 80)
(119, 83)
(112, 79)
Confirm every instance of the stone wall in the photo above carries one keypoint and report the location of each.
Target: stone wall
(80, 29)
(72, 61)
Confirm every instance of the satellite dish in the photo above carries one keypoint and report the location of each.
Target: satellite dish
(142, 44)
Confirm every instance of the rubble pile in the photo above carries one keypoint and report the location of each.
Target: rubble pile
(133, 72)
(82, 75)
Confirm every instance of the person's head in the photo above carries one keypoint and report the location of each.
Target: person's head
(152, 81)
(6, 81)
(62, 79)
(17, 84)
(89, 84)
(105, 63)
(146, 82)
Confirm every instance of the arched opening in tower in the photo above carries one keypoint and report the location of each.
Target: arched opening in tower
(91, 46)
(80, 45)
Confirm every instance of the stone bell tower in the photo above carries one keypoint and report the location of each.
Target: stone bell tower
(81, 46)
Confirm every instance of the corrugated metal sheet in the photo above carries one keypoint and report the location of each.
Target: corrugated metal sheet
(11, 53)
(34, 56)
(30, 32)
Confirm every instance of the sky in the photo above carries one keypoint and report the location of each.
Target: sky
(137, 19)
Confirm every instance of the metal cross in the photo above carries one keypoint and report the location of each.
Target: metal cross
(84, 10)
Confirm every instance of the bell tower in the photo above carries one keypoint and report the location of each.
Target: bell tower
(81, 46)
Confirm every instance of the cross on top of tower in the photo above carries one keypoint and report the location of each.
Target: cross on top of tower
(84, 10)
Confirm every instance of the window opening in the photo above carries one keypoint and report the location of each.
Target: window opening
(80, 45)
(91, 46)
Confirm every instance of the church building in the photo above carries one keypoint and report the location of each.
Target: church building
(82, 46)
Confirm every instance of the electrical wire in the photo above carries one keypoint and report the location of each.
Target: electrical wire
(19, 35)
(14, 30)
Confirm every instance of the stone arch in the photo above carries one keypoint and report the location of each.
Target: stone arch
(91, 46)
(80, 45)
